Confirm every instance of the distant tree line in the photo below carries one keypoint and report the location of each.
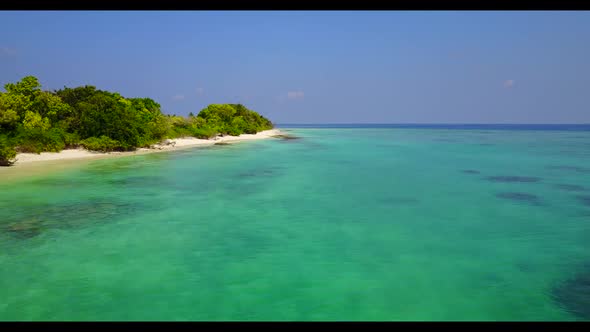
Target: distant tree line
(33, 120)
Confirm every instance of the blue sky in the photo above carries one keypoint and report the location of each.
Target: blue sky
(318, 67)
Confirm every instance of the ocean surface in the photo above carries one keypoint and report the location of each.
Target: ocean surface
(375, 223)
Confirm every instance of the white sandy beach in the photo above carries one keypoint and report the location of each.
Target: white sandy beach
(174, 144)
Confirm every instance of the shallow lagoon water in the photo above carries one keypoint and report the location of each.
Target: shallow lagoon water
(342, 224)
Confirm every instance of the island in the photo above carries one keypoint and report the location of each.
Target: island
(86, 119)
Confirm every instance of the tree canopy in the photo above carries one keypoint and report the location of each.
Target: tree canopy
(34, 120)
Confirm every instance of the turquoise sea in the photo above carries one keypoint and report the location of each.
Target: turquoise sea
(378, 223)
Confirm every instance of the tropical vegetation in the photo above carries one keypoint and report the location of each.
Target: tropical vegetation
(34, 120)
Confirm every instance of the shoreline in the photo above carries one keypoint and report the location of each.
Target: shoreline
(60, 160)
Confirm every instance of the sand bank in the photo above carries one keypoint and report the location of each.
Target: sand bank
(59, 160)
(172, 144)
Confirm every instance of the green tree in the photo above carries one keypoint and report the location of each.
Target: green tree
(8, 116)
(34, 121)
(20, 97)
(51, 106)
(7, 152)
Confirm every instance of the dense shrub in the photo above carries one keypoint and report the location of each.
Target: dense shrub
(232, 119)
(102, 144)
(37, 140)
(7, 152)
(71, 140)
(204, 133)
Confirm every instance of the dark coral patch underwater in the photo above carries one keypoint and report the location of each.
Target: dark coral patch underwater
(570, 187)
(31, 223)
(573, 295)
(520, 197)
(256, 173)
(569, 168)
(513, 178)
(286, 136)
(584, 199)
